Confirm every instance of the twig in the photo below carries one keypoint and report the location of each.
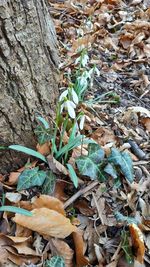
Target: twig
(79, 193)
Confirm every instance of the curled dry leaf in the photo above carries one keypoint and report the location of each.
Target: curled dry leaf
(48, 202)
(47, 222)
(137, 242)
(81, 260)
(56, 166)
(61, 248)
(103, 136)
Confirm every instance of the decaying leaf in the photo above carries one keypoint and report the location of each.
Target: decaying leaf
(81, 260)
(137, 242)
(48, 202)
(56, 166)
(47, 222)
(61, 248)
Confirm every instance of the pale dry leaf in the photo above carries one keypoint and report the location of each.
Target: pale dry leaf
(23, 248)
(13, 197)
(56, 166)
(61, 248)
(48, 202)
(103, 136)
(46, 222)
(140, 110)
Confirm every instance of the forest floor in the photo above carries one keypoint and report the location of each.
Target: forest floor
(113, 215)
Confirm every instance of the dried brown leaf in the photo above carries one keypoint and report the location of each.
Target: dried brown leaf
(81, 260)
(61, 248)
(46, 222)
(48, 202)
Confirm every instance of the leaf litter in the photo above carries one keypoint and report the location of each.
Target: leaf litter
(105, 222)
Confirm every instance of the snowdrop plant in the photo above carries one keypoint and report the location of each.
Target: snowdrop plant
(68, 101)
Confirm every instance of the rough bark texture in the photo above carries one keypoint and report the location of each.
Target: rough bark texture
(28, 72)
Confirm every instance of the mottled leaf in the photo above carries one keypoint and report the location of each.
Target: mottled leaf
(89, 165)
(31, 177)
(124, 161)
(55, 261)
(43, 134)
(109, 169)
(49, 183)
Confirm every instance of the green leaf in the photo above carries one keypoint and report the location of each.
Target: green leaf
(49, 183)
(28, 151)
(77, 141)
(44, 122)
(16, 210)
(72, 175)
(124, 161)
(109, 169)
(55, 261)
(121, 218)
(125, 245)
(89, 165)
(43, 134)
(31, 177)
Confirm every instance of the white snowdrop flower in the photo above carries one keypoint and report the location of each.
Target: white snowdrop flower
(82, 120)
(90, 73)
(89, 25)
(77, 60)
(80, 32)
(97, 71)
(70, 107)
(74, 97)
(63, 95)
(85, 60)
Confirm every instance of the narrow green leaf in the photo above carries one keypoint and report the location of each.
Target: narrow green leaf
(55, 261)
(49, 183)
(28, 151)
(124, 161)
(16, 210)
(43, 121)
(3, 147)
(31, 177)
(72, 175)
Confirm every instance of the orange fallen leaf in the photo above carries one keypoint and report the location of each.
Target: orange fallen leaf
(43, 149)
(137, 242)
(48, 202)
(61, 248)
(146, 123)
(81, 260)
(47, 222)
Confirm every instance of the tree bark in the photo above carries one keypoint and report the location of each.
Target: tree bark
(28, 73)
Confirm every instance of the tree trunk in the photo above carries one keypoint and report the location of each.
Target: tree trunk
(28, 73)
